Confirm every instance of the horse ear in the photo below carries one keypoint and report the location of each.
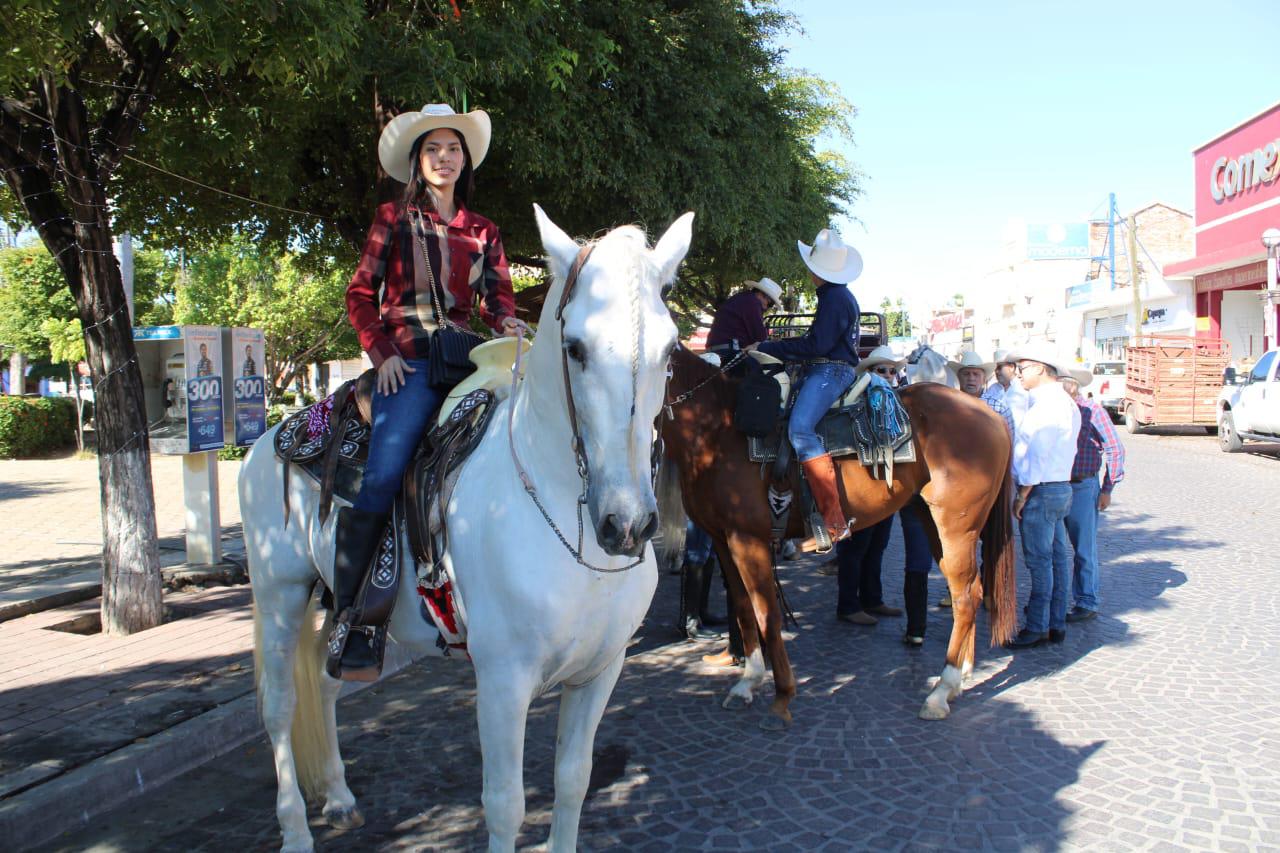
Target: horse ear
(672, 248)
(560, 247)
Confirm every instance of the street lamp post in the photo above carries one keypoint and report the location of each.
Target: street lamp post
(1271, 240)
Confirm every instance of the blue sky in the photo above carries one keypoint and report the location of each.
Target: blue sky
(972, 113)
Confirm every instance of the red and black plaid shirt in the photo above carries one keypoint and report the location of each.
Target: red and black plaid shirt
(402, 322)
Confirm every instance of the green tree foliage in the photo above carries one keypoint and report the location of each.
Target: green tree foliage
(36, 308)
(896, 317)
(300, 309)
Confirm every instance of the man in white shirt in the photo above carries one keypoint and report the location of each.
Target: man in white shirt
(1044, 450)
(1006, 386)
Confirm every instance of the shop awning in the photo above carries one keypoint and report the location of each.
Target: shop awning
(1222, 259)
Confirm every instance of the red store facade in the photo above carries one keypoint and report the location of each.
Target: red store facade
(1237, 197)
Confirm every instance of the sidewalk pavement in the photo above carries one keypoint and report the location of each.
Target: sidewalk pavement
(84, 719)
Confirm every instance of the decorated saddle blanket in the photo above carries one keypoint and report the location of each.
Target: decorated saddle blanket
(874, 426)
(329, 441)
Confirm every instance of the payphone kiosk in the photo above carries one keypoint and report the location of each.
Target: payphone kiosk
(186, 371)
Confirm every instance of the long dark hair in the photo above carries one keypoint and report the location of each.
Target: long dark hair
(417, 192)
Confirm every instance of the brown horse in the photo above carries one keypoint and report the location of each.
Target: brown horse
(962, 450)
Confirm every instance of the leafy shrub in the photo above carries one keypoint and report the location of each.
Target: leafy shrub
(34, 426)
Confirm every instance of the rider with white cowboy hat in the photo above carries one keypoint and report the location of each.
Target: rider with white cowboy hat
(829, 351)
(882, 362)
(427, 241)
(739, 321)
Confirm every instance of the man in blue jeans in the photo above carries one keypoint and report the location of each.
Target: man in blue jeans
(1044, 451)
(1097, 443)
(829, 351)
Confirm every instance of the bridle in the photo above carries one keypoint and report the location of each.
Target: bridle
(579, 449)
(724, 368)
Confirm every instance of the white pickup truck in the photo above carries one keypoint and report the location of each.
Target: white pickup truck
(1250, 408)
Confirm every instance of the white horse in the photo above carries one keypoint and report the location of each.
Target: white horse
(925, 364)
(536, 617)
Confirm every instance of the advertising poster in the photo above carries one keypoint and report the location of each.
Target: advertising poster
(249, 385)
(203, 346)
(1058, 241)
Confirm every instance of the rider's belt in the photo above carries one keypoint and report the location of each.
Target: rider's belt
(827, 361)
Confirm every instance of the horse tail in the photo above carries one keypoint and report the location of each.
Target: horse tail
(668, 542)
(307, 735)
(999, 569)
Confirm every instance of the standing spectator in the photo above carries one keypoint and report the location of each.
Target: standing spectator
(1097, 443)
(860, 557)
(1007, 386)
(973, 374)
(739, 321)
(1044, 452)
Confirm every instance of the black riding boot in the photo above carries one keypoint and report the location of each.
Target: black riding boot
(704, 595)
(359, 534)
(915, 594)
(690, 602)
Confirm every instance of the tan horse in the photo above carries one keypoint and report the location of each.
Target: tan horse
(963, 451)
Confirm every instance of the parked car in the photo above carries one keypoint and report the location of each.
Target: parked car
(1249, 404)
(1108, 387)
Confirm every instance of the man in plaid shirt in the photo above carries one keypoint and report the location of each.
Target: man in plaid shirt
(1097, 443)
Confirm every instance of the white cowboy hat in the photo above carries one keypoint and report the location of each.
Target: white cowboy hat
(769, 288)
(1061, 364)
(396, 143)
(969, 358)
(830, 259)
(1001, 356)
(879, 356)
(1081, 373)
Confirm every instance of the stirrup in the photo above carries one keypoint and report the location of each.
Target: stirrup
(336, 647)
(821, 536)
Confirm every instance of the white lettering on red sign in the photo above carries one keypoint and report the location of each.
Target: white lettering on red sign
(1231, 177)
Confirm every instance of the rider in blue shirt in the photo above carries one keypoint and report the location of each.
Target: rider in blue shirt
(829, 351)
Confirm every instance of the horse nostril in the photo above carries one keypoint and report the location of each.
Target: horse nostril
(610, 530)
(650, 527)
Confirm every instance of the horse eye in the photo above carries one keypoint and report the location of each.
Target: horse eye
(576, 351)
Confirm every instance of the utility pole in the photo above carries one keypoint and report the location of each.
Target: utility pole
(1133, 276)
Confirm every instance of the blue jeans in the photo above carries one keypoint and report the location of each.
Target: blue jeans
(859, 561)
(697, 544)
(399, 422)
(1082, 530)
(1047, 555)
(822, 385)
(914, 538)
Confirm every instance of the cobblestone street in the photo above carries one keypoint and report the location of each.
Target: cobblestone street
(1152, 727)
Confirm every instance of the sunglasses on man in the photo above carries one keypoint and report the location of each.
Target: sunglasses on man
(884, 371)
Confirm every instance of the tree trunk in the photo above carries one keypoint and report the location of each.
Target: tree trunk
(131, 581)
(17, 374)
(75, 390)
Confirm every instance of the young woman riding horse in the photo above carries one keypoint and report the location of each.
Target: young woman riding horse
(431, 237)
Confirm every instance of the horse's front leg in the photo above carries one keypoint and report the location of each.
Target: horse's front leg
(581, 708)
(502, 706)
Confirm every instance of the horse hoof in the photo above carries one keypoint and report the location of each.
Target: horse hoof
(344, 818)
(774, 723)
(935, 712)
(736, 702)
(298, 847)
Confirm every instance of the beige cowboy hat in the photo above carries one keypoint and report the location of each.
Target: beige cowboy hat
(769, 288)
(879, 356)
(830, 259)
(969, 358)
(396, 143)
(1061, 364)
(1081, 373)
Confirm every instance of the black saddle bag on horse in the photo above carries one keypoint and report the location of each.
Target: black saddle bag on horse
(759, 401)
(449, 348)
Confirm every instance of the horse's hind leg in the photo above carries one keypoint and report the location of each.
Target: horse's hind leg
(742, 693)
(581, 708)
(959, 566)
(340, 810)
(280, 611)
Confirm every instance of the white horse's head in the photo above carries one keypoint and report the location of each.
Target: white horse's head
(925, 364)
(616, 341)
